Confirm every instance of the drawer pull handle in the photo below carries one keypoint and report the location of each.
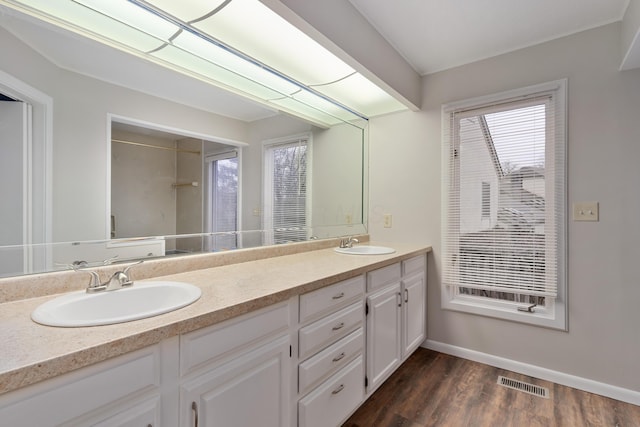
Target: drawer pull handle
(406, 295)
(338, 296)
(338, 326)
(338, 390)
(339, 357)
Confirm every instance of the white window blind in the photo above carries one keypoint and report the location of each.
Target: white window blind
(285, 196)
(503, 189)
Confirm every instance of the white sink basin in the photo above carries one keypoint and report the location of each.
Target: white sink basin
(142, 300)
(366, 250)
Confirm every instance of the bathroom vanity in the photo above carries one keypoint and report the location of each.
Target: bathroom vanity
(300, 339)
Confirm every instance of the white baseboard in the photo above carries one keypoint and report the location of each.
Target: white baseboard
(614, 392)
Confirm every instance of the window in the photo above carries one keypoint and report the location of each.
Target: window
(286, 170)
(504, 201)
(223, 200)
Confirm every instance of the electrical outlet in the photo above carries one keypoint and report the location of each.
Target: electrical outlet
(585, 211)
(348, 218)
(387, 218)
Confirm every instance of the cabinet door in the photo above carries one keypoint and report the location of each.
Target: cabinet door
(414, 321)
(250, 390)
(383, 334)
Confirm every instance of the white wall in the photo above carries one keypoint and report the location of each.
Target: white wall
(337, 183)
(603, 342)
(143, 201)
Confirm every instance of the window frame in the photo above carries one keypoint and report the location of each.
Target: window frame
(210, 159)
(555, 313)
(267, 183)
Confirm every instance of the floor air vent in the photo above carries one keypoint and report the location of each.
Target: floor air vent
(522, 386)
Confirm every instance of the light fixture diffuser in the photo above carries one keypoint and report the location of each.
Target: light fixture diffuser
(240, 45)
(254, 29)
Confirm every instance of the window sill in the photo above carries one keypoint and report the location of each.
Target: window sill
(553, 318)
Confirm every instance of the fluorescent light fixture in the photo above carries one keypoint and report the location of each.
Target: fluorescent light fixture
(187, 10)
(240, 45)
(254, 29)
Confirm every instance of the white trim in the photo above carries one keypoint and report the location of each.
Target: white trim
(42, 149)
(27, 186)
(508, 95)
(580, 383)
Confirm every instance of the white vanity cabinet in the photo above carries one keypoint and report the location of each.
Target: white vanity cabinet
(414, 309)
(396, 323)
(121, 392)
(308, 361)
(330, 353)
(238, 373)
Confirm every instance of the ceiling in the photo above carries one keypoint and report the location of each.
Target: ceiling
(434, 35)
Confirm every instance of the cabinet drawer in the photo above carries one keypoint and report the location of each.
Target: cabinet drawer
(335, 399)
(326, 299)
(414, 265)
(383, 276)
(208, 344)
(142, 414)
(330, 359)
(328, 329)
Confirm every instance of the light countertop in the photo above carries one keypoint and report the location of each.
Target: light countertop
(31, 352)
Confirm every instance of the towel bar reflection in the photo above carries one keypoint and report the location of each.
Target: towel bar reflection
(140, 144)
(186, 184)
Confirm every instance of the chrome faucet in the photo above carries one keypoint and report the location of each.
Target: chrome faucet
(347, 242)
(119, 279)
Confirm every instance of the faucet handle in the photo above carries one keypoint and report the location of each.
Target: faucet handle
(110, 261)
(78, 266)
(126, 270)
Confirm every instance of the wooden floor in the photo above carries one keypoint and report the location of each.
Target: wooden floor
(435, 389)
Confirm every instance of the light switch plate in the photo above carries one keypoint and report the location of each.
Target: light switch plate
(388, 220)
(585, 211)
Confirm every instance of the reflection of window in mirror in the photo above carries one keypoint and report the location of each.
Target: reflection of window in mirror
(286, 164)
(222, 206)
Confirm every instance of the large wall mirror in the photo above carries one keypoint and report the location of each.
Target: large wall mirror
(112, 156)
